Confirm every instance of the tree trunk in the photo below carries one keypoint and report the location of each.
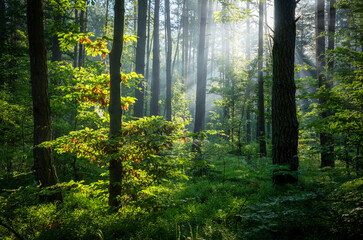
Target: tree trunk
(155, 86)
(201, 76)
(168, 62)
(185, 42)
(261, 136)
(56, 51)
(140, 57)
(248, 58)
(45, 172)
(325, 138)
(115, 166)
(284, 120)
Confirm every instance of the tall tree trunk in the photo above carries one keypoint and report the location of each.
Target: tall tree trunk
(155, 86)
(168, 61)
(3, 34)
(284, 120)
(185, 41)
(45, 172)
(148, 51)
(201, 76)
(115, 166)
(140, 57)
(248, 53)
(325, 138)
(261, 136)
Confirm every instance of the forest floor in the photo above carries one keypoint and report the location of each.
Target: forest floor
(234, 200)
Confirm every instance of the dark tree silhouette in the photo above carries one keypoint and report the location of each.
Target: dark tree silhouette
(284, 120)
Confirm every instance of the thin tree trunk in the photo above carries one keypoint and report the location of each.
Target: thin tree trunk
(325, 138)
(45, 172)
(168, 62)
(185, 41)
(248, 53)
(148, 45)
(115, 166)
(201, 77)
(140, 57)
(155, 86)
(284, 120)
(261, 136)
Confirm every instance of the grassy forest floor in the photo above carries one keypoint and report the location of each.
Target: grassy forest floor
(234, 200)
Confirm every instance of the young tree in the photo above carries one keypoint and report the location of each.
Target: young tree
(155, 86)
(45, 172)
(115, 165)
(261, 138)
(201, 75)
(140, 57)
(284, 120)
(326, 139)
(168, 61)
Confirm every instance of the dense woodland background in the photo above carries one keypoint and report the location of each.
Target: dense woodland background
(183, 119)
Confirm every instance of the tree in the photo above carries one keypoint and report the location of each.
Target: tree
(185, 42)
(201, 76)
(326, 139)
(248, 58)
(45, 172)
(155, 86)
(284, 120)
(168, 61)
(140, 57)
(261, 136)
(115, 165)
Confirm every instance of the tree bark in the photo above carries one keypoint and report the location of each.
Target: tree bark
(115, 165)
(45, 172)
(261, 136)
(201, 76)
(168, 61)
(284, 120)
(140, 57)
(155, 86)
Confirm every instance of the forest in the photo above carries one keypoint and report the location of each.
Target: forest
(181, 119)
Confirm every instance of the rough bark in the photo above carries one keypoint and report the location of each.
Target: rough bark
(140, 57)
(155, 86)
(284, 120)
(45, 172)
(261, 136)
(2, 27)
(168, 61)
(115, 165)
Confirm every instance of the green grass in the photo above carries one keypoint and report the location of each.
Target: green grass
(233, 201)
